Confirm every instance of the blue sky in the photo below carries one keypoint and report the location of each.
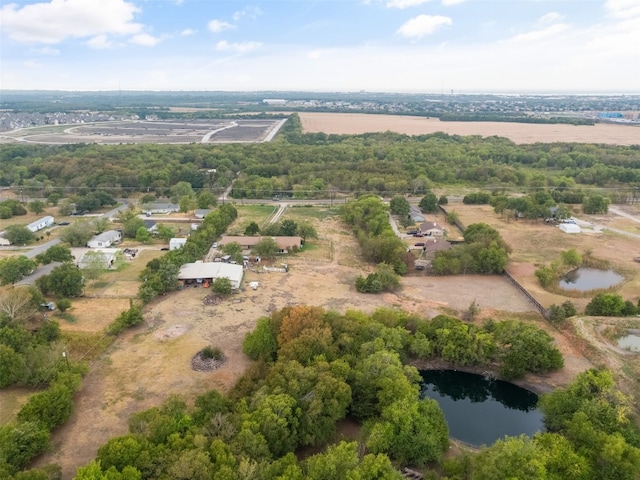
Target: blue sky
(345, 45)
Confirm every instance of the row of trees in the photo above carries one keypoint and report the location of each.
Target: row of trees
(369, 217)
(484, 251)
(385, 163)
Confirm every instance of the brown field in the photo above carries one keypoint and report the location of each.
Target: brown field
(355, 123)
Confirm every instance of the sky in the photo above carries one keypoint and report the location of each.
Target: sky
(414, 46)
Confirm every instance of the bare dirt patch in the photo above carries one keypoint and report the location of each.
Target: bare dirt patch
(356, 123)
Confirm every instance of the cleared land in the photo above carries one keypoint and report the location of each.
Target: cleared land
(355, 123)
(152, 131)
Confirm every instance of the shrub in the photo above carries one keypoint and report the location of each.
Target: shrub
(222, 285)
(212, 352)
(128, 318)
(63, 304)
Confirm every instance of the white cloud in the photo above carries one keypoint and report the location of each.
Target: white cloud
(53, 21)
(623, 8)
(448, 3)
(30, 64)
(551, 17)
(144, 40)
(543, 34)
(187, 32)
(224, 46)
(100, 42)
(217, 26)
(46, 51)
(251, 12)
(402, 4)
(423, 25)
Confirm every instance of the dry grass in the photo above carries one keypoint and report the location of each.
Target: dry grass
(11, 399)
(355, 123)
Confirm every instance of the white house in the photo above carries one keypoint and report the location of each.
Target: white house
(105, 239)
(4, 242)
(207, 272)
(160, 207)
(570, 228)
(431, 229)
(41, 223)
(176, 243)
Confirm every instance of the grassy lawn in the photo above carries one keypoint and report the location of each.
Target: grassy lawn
(251, 213)
(309, 212)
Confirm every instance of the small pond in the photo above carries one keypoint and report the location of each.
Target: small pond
(585, 279)
(630, 342)
(481, 410)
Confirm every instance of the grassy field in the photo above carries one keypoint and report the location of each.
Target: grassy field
(251, 213)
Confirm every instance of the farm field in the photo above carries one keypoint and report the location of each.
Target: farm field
(520, 133)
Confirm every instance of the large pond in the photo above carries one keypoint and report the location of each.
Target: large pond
(481, 410)
(584, 279)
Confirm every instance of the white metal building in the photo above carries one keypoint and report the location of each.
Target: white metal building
(105, 239)
(176, 243)
(570, 228)
(207, 272)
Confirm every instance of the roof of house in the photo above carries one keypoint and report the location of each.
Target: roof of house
(283, 242)
(202, 212)
(192, 271)
(149, 224)
(106, 236)
(177, 240)
(435, 244)
(47, 218)
(425, 226)
(161, 206)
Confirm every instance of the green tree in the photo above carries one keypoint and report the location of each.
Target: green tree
(412, 432)
(65, 281)
(101, 224)
(20, 442)
(399, 205)
(252, 229)
(288, 228)
(181, 189)
(605, 305)
(37, 206)
(143, 235)
(13, 269)
(187, 203)
(17, 305)
(429, 203)
(571, 258)
(596, 204)
(206, 199)
(78, 233)
(165, 232)
(93, 265)
(19, 235)
(55, 253)
(131, 226)
(261, 343)
(266, 248)
(306, 230)
(222, 286)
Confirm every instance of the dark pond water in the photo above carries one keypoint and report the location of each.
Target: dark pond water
(630, 342)
(480, 410)
(584, 279)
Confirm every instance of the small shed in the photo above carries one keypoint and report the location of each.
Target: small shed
(570, 228)
(176, 243)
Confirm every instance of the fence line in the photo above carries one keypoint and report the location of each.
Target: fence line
(531, 298)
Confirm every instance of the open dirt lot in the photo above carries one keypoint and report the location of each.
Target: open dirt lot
(149, 363)
(355, 123)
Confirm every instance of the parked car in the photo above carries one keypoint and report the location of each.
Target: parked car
(419, 244)
(418, 235)
(63, 223)
(419, 267)
(412, 232)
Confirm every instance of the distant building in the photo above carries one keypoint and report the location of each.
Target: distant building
(431, 229)
(415, 214)
(41, 223)
(275, 101)
(105, 239)
(151, 226)
(160, 208)
(570, 228)
(202, 212)
(109, 254)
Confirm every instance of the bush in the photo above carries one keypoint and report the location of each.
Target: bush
(222, 285)
(212, 352)
(63, 304)
(126, 319)
(606, 305)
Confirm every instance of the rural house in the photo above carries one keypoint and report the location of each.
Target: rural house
(151, 226)
(105, 239)
(431, 229)
(109, 256)
(41, 223)
(415, 214)
(160, 208)
(202, 212)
